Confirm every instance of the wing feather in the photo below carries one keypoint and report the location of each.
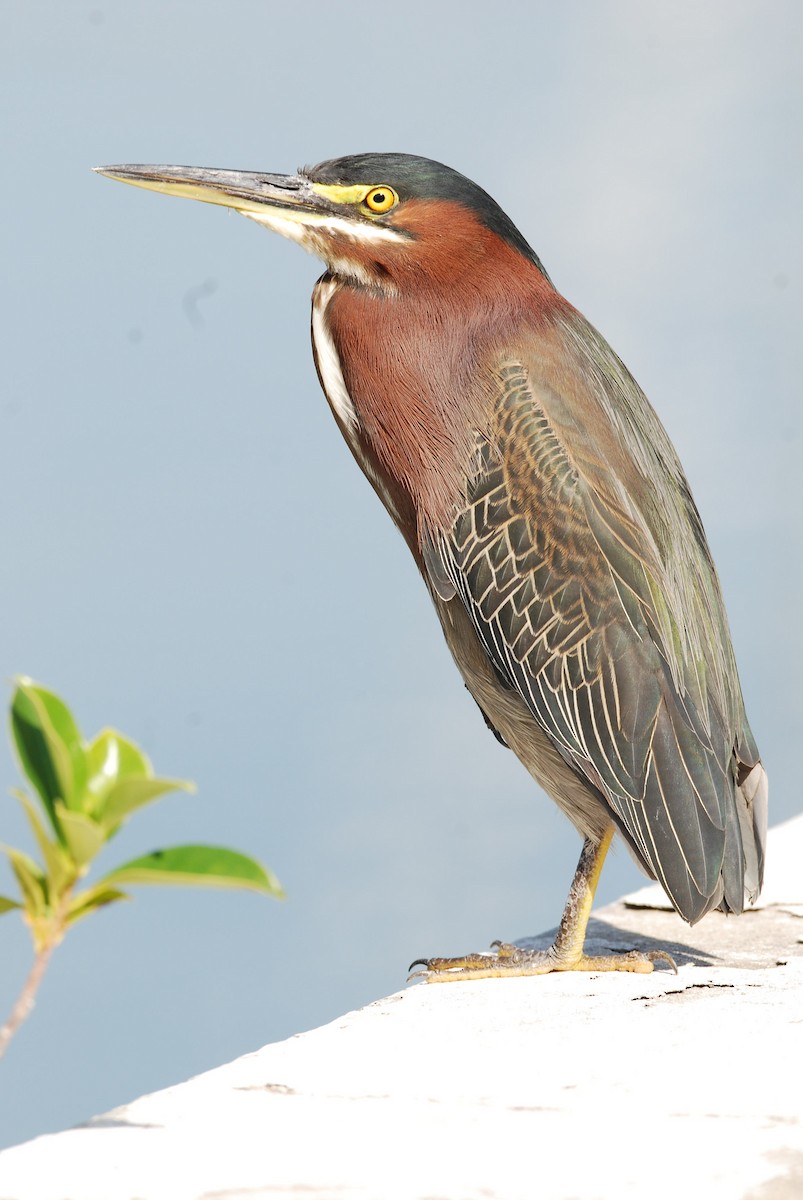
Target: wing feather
(607, 620)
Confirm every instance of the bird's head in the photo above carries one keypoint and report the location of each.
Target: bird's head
(380, 220)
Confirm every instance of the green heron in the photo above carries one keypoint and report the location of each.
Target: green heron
(548, 514)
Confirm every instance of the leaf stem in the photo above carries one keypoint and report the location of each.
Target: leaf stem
(27, 997)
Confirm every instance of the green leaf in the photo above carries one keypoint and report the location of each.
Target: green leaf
(109, 758)
(112, 754)
(130, 794)
(49, 746)
(31, 879)
(121, 779)
(91, 899)
(84, 836)
(202, 866)
(59, 865)
(6, 904)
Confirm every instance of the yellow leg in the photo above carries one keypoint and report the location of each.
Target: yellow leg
(565, 953)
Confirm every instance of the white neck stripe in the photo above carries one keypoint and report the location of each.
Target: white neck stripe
(334, 385)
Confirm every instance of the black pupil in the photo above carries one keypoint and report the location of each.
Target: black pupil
(379, 198)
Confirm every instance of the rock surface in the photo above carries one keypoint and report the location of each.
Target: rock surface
(566, 1086)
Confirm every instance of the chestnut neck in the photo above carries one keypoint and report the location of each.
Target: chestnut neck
(417, 335)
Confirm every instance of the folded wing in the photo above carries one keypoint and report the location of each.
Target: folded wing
(581, 559)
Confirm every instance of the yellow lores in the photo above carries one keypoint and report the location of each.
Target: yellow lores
(375, 200)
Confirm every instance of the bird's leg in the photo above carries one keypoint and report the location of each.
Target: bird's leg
(565, 953)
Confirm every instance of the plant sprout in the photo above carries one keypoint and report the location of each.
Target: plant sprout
(81, 793)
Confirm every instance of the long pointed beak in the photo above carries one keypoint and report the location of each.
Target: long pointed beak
(253, 193)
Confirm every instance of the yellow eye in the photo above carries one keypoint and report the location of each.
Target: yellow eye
(381, 199)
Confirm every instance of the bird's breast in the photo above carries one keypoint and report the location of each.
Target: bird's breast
(401, 374)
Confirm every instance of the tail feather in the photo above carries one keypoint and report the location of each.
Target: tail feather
(752, 810)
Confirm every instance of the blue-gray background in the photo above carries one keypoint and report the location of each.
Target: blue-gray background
(188, 552)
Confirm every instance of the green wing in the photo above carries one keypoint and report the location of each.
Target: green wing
(582, 562)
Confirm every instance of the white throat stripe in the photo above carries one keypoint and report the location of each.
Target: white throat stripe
(326, 354)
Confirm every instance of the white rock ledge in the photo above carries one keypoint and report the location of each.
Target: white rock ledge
(589, 1087)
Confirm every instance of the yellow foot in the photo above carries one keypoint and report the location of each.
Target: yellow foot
(508, 961)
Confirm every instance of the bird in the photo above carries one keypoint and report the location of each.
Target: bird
(548, 514)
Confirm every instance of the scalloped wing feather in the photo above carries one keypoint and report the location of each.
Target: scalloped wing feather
(581, 560)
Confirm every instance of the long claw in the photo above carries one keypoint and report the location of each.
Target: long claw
(662, 956)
